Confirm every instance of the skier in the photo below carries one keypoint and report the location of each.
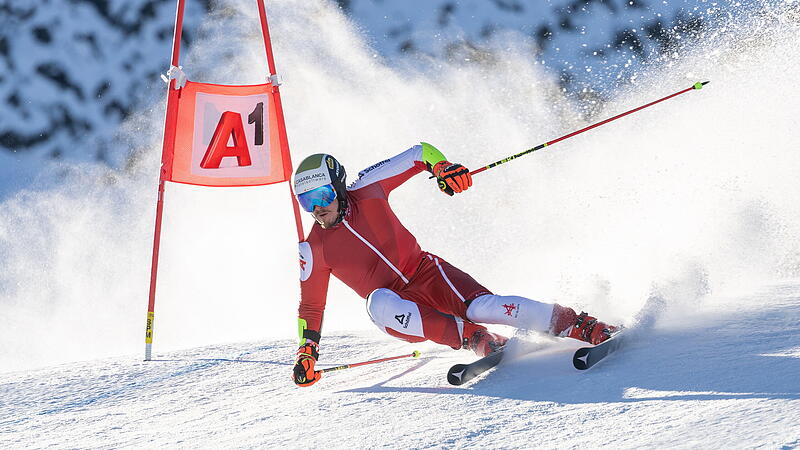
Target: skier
(411, 294)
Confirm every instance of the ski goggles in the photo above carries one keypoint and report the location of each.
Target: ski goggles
(321, 196)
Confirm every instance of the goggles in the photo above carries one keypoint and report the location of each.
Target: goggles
(321, 196)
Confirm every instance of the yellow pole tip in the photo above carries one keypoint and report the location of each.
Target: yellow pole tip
(416, 353)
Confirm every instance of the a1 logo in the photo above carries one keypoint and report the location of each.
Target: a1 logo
(231, 135)
(230, 128)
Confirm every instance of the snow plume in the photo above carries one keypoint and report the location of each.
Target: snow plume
(693, 196)
(698, 193)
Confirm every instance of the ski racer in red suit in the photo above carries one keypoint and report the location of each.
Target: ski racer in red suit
(411, 294)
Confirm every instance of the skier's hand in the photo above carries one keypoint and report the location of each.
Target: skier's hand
(452, 177)
(304, 373)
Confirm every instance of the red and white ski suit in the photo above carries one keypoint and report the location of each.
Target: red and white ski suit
(411, 294)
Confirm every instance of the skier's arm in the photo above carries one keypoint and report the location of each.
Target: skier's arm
(314, 278)
(395, 171)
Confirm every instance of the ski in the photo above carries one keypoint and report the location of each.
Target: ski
(584, 358)
(587, 357)
(461, 373)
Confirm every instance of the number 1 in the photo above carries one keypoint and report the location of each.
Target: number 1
(257, 117)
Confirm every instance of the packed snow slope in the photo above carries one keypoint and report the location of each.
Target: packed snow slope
(724, 375)
(686, 211)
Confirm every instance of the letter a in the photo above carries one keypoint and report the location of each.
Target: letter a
(230, 125)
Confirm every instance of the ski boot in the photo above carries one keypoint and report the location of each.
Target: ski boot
(583, 327)
(482, 341)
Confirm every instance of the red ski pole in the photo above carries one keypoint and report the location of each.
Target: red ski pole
(698, 85)
(414, 354)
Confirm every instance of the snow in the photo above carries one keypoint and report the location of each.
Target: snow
(592, 48)
(75, 69)
(731, 379)
(690, 204)
(54, 108)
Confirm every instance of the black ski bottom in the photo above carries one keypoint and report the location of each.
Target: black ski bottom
(587, 357)
(461, 373)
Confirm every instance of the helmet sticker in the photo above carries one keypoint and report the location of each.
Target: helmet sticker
(318, 170)
(307, 181)
(306, 261)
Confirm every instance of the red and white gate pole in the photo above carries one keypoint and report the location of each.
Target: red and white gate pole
(273, 77)
(166, 158)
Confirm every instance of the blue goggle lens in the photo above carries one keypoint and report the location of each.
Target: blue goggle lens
(321, 196)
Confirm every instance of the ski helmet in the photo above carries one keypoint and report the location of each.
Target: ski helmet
(320, 170)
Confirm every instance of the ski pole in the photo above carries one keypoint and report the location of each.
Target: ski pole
(696, 86)
(414, 354)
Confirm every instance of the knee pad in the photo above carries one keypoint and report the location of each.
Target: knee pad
(377, 301)
(389, 311)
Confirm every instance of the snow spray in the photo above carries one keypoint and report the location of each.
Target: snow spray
(699, 195)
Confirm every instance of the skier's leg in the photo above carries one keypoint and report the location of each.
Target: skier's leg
(521, 312)
(415, 322)
(518, 312)
(412, 322)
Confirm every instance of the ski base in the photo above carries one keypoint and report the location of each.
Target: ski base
(461, 373)
(587, 357)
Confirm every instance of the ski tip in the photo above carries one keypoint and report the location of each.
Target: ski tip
(700, 84)
(455, 375)
(581, 358)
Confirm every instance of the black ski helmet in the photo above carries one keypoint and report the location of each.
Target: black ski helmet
(318, 170)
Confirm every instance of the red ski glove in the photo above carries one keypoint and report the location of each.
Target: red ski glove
(304, 373)
(452, 177)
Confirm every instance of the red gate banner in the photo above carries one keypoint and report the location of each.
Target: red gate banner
(227, 136)
(218, 135)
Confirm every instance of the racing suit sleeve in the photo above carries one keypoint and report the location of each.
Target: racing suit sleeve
(395, 171)
(314, 277)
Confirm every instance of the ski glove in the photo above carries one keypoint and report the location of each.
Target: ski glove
(304, 373)
(452, 177)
